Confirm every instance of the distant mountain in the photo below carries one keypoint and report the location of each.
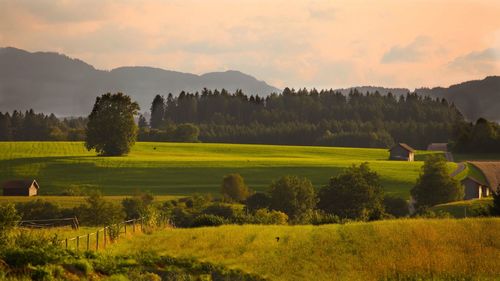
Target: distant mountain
(478, 98)
(51, 82)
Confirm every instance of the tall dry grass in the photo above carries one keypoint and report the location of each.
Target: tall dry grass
(417, 249)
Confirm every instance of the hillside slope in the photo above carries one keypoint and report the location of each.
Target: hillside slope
(420, 249)
(55, 83)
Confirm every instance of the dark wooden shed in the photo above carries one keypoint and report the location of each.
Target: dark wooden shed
(20, 188)
(403, 152)
(474, 189)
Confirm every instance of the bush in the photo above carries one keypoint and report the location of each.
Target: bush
(8, 220)
(264, 216)
(258, 201)
(398, 207)
(137, 206)
(208, 220)
(293, 196)
(38, 210)
(220, 210)
(98, 211)
(319, 218)
(234, 188)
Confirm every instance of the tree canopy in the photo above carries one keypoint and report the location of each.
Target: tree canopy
(111, 129)
(295, 196)
(435, 185)
(356, 193)
(234, 188)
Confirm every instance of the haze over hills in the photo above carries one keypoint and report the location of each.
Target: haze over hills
(54, 83)
(51, 82)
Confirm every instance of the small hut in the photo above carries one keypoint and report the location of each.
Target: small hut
(402, 151)
(20, 188)
(474, 189)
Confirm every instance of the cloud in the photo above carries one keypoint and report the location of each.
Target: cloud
(326, 14)
(478, 62)
(60, 11)
(413, 52)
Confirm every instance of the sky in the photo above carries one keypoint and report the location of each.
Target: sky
(295, 43)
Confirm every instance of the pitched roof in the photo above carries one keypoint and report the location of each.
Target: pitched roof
(15, 184)
(474, 180)
(404, 146)
(491, 171)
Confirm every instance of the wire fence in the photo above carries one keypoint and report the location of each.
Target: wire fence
(101, 238)
(47, 223)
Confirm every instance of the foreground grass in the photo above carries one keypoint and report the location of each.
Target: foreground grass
(178, 168)
(446, 249)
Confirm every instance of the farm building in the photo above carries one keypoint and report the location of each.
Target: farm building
(474, 189)
(491, 172)
(402, 151)
(20, 188)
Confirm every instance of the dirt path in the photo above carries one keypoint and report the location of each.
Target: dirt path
(460, 167)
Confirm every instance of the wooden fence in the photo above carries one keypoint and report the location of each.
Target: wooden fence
(104, 236)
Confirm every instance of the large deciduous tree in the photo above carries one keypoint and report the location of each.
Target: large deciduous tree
(435, 185)
(356, 193)
(234, 188)
(111, 129)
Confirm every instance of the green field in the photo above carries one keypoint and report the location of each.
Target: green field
(74, 201)
(413, 249)
(461, 209)
(181, 168)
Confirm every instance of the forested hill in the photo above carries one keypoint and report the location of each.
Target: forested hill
(306, 117)
(55, 83)
(475, 99)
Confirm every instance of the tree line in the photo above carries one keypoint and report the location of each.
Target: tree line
(482, 137)
(309, 117)
(31, 126)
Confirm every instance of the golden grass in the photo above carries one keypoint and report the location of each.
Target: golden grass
(392, 250)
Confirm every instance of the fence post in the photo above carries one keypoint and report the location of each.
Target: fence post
(88, 241)
(142, 225)
(97, 241)
(125, 226)
(66, 243)
(104, 232)
(77, 243)
(133, 226)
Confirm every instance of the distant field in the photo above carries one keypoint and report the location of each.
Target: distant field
(416, 249)
(180, 169)
(74, 201)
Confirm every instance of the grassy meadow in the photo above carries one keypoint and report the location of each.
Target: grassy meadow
(461, 209)
(185, 168)
(413, 249)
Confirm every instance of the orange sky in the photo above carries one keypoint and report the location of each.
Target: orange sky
(319, 44)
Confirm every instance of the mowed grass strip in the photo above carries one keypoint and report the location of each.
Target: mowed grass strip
(182, 169)
(413, 249)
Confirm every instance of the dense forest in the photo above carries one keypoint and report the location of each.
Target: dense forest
(31, 126)
(482, 137)
(309, 117)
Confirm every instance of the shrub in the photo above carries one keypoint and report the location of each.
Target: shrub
(83, 266)
(264, 216)
(137, 206)
(40, 273)
(38, 210)
(208, 220)
(98, 211)
(398, 207)
(495, 208)
(8, 220)
(234, 188)
(220, 210)
(258, 201)
(293, 196)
